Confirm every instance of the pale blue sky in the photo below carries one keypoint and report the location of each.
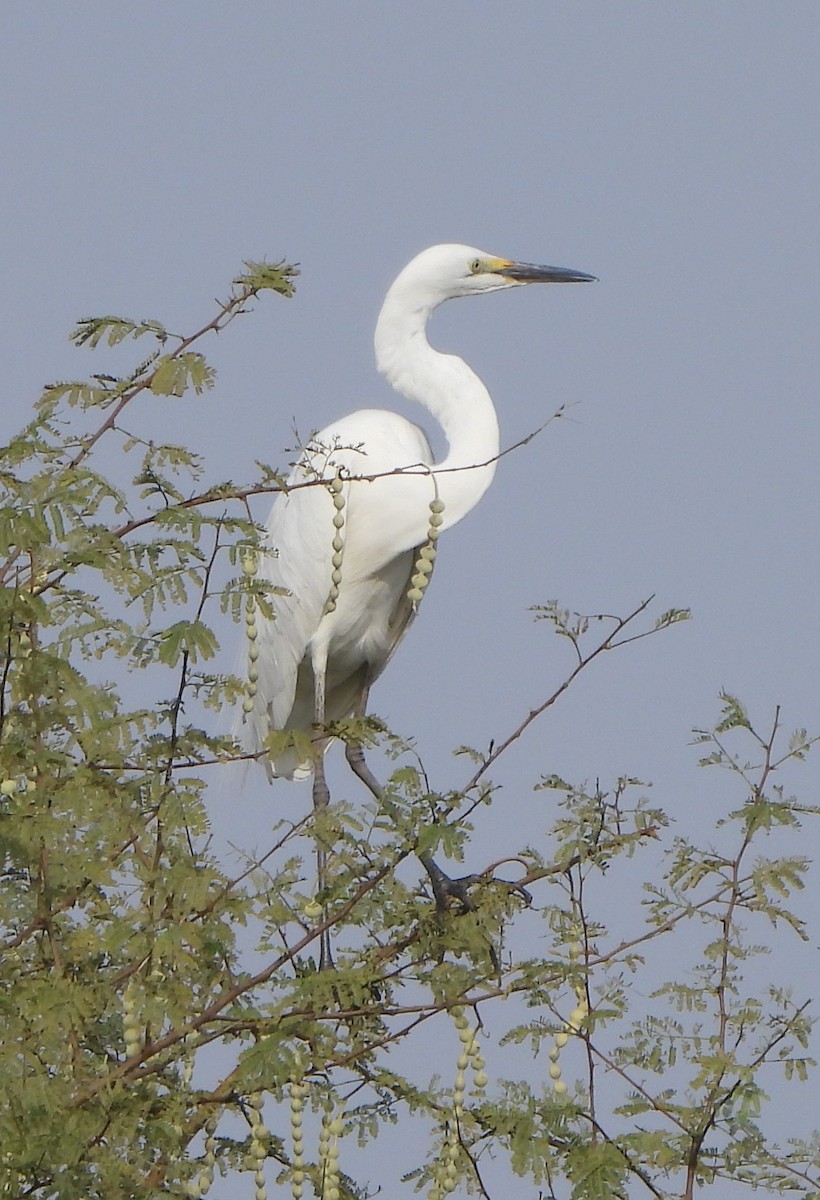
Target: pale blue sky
(670, 149)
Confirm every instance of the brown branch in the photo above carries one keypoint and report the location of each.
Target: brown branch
(227, 311)
(607, 644)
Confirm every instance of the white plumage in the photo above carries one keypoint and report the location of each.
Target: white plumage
(315, 665)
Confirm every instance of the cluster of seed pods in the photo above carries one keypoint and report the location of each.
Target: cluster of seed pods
(470, 1058)
(425, 561)
(258, 1150)
(338, 544)
(250, 565)
(572, 1025)
(202, 1184)
(131, 1023)
(328, 1150)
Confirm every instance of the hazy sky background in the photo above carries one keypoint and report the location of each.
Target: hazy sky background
(670, 149)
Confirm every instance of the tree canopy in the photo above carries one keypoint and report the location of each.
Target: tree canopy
(163, 1018)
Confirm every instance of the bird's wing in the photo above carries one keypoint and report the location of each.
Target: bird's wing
(296, 562)
(299, 552)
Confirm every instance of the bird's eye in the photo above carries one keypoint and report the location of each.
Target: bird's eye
(475, 266)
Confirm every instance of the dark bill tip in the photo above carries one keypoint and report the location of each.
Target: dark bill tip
(532, 273)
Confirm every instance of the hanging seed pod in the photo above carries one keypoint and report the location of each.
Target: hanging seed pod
(259, 1144)
(425, 559)
(332, 1127)
(202, 1184)
(572, 1025)
(335, 488)
(249, 561)
(131, 1024)
(298, 1092)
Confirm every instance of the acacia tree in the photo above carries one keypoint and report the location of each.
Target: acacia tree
(129, 951)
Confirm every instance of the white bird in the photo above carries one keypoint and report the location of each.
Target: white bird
(347, 589)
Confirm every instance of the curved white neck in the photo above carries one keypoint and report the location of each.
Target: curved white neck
(446, 387)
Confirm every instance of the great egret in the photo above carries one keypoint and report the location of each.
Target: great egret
(345, 553)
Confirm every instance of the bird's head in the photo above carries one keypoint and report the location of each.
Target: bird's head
(447, 271)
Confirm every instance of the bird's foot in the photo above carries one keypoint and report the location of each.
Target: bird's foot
(447, 890)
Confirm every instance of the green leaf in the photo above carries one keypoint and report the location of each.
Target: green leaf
(186, 637)
(734, 715)
(175, 373)
(264, 276)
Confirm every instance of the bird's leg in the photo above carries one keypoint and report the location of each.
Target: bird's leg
(321, 799)
(354, 751)
(321, 792)
(355, 757)
(444, 888)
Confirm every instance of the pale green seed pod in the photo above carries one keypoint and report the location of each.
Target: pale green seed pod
(576, 1017)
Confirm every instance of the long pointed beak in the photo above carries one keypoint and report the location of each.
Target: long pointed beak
(531, 273)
